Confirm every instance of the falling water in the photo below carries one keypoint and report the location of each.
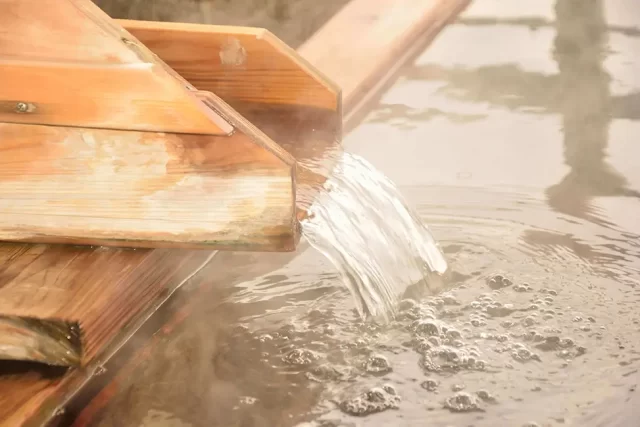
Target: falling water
(363, 226)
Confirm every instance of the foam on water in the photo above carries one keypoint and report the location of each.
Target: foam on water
(362, 224)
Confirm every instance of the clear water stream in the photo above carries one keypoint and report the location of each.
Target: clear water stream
(361, 223)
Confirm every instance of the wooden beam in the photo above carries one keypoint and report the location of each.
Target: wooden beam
(145, 189)
(32, 399)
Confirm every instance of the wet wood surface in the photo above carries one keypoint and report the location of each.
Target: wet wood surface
(139, 280)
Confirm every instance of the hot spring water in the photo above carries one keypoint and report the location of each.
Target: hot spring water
(361, 223)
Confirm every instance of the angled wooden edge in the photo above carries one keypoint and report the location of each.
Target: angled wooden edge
(138, 97)
(66, 63)
(237, 63)
(263, 79)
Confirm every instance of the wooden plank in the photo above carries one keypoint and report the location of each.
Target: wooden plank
(40, 397)
(363, 47)
(61, 30)
(65, 63)
(130, 97)
(110, 289)
(265, 81)
(237, 63)
(143, 189)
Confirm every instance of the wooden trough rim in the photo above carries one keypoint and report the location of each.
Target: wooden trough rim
(49, 407)
(260, 33)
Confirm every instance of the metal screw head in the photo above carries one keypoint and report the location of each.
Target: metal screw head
(22, 107)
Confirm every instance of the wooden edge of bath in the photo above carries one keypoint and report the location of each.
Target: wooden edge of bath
(155, 273)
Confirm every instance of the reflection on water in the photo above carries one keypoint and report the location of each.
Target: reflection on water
(585, 105)
(523, 161)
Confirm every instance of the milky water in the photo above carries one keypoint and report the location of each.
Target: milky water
(515, 138)
(361, 223)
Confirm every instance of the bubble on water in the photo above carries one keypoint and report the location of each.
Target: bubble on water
(248, 400)
(453, 334)
(463, 402)
(430, 384)
(300, 357)
(427, 328)
(498, 282)
(450, 300)
(531, 424)
(420, 344)
(457, 387)
(375, 400)
(549, 343)
(478, 322)
(529, 321)
(327, 372)
(498, 310)
(378, 365)
(502, 338)
(507, 324)
(485, 396)
(522, 354)
(265, 338)
(449, 359)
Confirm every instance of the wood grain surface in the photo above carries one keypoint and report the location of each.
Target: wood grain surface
(144, 189)
(237, 63)
(31, 398)
(66, 63)
(109, 289)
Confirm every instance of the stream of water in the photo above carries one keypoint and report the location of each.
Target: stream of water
(378, 244)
